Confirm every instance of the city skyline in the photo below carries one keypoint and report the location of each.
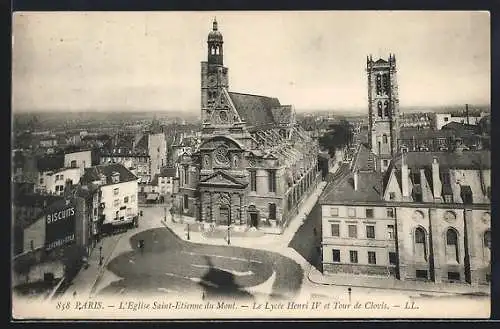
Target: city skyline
(151, 60)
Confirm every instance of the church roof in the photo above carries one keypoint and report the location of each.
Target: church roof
(283, 114)
(254, 109)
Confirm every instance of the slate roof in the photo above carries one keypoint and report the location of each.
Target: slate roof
(447, 160)
(168, 172)
(282, 115)
(418, 134)
(254, 109)
(460, 127)
(363, 158)
(143, 143)
(93, 173)
(154, 181)
(369, 189)
(35, 200)
(50, 162)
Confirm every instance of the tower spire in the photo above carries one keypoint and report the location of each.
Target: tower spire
(214, 27)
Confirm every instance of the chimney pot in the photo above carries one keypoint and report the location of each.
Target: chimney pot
(356, 180)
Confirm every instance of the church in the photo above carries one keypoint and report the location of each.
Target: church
(254, 164)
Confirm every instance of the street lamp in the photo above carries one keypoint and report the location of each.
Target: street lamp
(100, 256)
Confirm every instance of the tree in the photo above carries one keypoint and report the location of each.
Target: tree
(339, 135)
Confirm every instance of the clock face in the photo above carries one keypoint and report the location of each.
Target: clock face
(450, 216)
(212, 81)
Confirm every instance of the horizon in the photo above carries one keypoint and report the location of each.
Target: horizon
(74, 62)
(197, 113)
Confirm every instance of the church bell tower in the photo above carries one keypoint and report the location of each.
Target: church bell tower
(383, 109)
(214, 82)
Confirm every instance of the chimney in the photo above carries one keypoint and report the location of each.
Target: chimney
(404, 178)
(436, 181)
(356, 180)
(467, 112)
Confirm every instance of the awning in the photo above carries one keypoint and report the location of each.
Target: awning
(152, 196)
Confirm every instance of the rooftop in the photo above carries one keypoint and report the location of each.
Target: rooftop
(447, 160)
(168, 172)
(369, 189)
(418, 134)
(50, 162)
(254, 109)
(94, 173)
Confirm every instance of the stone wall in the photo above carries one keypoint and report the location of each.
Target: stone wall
(358, 269)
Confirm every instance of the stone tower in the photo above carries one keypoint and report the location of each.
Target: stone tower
(383, 109)
(214, 84)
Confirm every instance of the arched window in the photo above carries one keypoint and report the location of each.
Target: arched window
(379, 107)
(487, 246)
(420, 243)
(384, 139)
(487, 239)
(386, 108)
(379, 84)
(452, 245)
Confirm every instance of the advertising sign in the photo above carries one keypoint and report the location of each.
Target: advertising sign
(60, 227)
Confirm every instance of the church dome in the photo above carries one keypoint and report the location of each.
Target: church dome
(214, 35)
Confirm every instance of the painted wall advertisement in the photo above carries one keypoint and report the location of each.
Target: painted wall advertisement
(60, 228)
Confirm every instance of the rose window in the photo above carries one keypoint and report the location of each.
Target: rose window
(221, 155)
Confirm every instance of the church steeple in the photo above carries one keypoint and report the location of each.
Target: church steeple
(215, 41)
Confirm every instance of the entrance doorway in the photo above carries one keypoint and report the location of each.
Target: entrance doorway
(254, 220)
(224, 216)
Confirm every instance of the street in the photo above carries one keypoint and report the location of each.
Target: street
(168, 264)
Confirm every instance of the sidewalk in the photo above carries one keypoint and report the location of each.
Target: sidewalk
(85, 279)
(269, 242)
(373, 282)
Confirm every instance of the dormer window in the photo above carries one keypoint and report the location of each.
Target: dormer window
(466, 194)
(115, 178)
(415, 178)
(103, 179)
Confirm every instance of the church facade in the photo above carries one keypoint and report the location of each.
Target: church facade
(254, 164)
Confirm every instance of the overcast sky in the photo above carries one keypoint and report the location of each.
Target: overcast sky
(312, 60)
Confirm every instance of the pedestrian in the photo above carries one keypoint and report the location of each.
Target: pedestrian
(74, 294)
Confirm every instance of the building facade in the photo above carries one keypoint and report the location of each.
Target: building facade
(428, 217)
(254, 165)
(442, 119)
(118, 189)
(423, 215)
(383, 109)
